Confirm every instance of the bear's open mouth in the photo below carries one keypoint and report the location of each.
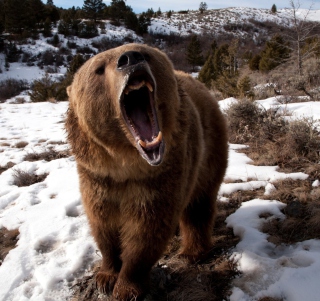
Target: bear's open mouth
(138, 109)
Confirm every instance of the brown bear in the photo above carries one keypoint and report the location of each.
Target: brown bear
(151, 150)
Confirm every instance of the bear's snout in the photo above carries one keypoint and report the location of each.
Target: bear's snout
(130, 58)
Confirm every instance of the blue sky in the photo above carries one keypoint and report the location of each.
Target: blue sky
(165, 5)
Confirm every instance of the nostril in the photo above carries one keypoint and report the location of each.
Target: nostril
(123, 61)
(130, 58)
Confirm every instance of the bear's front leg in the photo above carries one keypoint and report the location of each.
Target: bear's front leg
(108, 242)
(144, 236)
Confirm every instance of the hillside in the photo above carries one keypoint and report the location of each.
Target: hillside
(249, 24)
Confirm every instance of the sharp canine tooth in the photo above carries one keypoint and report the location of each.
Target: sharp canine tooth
(149, 86)
(159, 137)
(142, 143)
(154, 142)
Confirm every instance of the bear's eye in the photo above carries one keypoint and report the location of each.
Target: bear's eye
(100, 70)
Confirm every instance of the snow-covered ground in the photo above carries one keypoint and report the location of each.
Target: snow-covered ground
(55, 245)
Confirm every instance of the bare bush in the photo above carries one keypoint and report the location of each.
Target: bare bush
(12, 87)
(105, 43)
(47, 155)
(6, 167)
(23, 178)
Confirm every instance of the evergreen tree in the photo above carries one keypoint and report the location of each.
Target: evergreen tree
(169, 14)
(254, 62)
(12, 52)
(221, 59)
(47, 28)
(273, 9)
(149, 13)
(226, 69)
(276, 52)
(159, 12)
(208, 73)
(202, 7)
(118, 10)
(131, 21)
(77, 61)
(93, 9)
(50, 2)
(194, 56)
(143, 23)
(15, 15)
(244, 87)
(36, 12)
(2, 16)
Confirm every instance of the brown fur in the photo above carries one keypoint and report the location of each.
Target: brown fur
(134, 208)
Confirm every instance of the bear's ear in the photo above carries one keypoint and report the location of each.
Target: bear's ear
(69, 90)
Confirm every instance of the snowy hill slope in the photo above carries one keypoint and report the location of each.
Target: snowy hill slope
(214, 20)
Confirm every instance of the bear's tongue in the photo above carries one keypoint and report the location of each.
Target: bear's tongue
(141, 123)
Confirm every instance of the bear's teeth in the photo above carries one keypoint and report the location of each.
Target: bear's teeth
(143, 83)
(153, 143)
(149, 86)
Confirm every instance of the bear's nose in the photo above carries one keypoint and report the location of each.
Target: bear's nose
(130, 58)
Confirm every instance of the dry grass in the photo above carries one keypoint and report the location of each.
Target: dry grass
(8, 240)
(23, 178)
(302, 212)
(6, 167)
(47, 155)
(21, 144)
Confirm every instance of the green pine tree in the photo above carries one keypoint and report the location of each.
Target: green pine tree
(143, 23)
(208, 73)
(15, 15)
(93, 9)
(131, 21)
(254, 62)
(118, 10)
(276, 52)
(194, 53)
(273, 9)
(47, 28)
(244, 87)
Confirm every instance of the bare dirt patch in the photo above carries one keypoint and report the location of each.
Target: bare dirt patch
(8, 240)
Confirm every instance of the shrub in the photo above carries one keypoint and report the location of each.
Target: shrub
(88, 30)
(71, 45)
(302, 139)
(48, 57)
(243, 118)
(85, 50)
(54, 41)
(105, 43)
(12, 87)
(23, 178)
(47, 155)
(42, 89)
